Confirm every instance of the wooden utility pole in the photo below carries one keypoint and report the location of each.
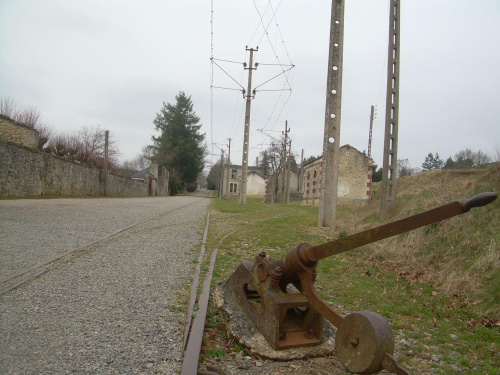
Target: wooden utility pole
(331, 140)
(228, 167)
(246, 138)
(106, 157)
(389, 171)
(372, 117)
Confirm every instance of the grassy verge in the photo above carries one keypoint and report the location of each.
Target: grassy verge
(438, 286)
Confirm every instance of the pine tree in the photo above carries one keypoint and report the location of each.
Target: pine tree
(265, 163)
(432, 162)
(179, 147)
(449, 164)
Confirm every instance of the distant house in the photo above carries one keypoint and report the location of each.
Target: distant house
(355, 177)
(256, 183)
(156, 178)
(18, 133)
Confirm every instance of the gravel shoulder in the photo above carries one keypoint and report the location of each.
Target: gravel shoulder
(114, 309)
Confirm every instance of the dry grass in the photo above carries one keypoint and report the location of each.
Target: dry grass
(461, 256)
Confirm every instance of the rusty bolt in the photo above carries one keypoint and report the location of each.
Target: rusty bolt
(262, 254)
(355, 342)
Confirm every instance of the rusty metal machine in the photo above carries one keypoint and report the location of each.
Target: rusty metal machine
(364, 340)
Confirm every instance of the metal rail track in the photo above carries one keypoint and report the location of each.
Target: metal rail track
(194, 329)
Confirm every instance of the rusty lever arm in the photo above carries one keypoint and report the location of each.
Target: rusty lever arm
(315, 253)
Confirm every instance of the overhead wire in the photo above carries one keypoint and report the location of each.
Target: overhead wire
(286, 72)
(384, 67)
(285, 68)
(235, 112)
(230, 61)
(266, 33)
(213, 62)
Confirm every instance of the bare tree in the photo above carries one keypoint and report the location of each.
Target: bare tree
(496, 154)
(8, 107)
(29, 116)
(405, 169)
(85, 146)
(93, 141)
(480, 158)
(138, 163)
(468, 159)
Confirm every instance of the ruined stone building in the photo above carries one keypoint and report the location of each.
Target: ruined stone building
(355, 178)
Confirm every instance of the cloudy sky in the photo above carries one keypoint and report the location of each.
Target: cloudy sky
(114, 62)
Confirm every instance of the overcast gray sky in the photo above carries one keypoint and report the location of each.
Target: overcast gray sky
(113, 62)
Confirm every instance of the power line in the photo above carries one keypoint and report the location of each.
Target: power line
(229, 61)
(277, 75)
(287, 82)
(279, 30)
(213, 62)
(267, 35)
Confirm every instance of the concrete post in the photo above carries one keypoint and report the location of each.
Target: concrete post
(221, 183)
(246, 138)
(288, 165)
(331, 140)
(283, 165)
(388, 194)
(372, 117)
(228, 167)
(106, 157)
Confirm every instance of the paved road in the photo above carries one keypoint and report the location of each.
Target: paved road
(114, 309)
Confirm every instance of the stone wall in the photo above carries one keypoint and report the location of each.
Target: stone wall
(18, 133)
(25, 172)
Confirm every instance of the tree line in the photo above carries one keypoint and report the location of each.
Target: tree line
(463, 159)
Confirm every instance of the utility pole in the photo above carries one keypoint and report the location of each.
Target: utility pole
(331, 140)
(246, 138)
(228, 167)
(283, 165)
(372, 117)
(106, 157)
(288, 164)
(301, 172)
(388, 194)
(221, 182)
